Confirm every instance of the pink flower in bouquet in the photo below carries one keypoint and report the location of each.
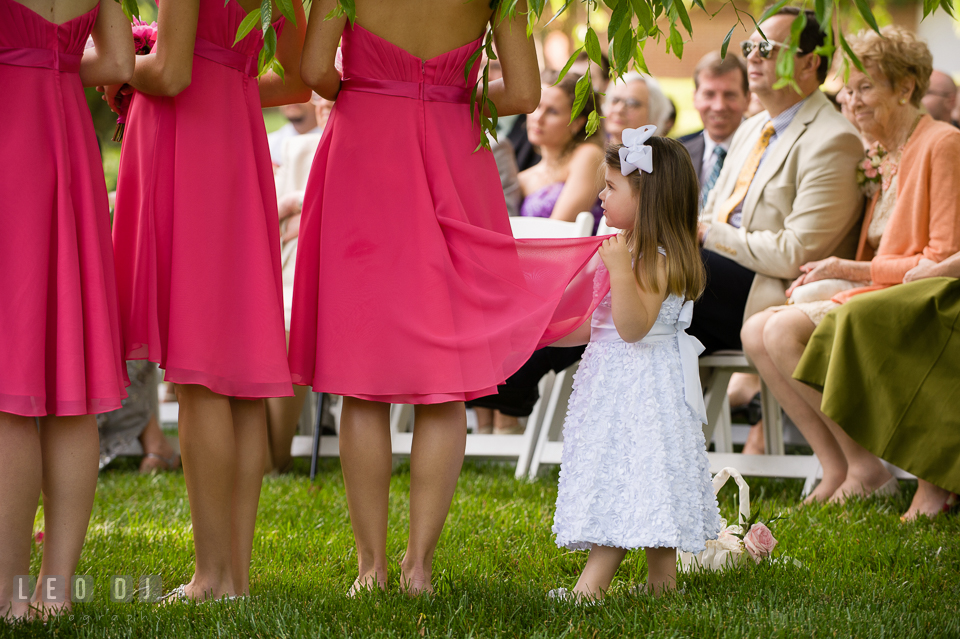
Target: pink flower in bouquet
(759, 542)
(871, 173)
(38, 538)
(144, 36)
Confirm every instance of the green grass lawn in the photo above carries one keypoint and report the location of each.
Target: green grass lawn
(864, 574)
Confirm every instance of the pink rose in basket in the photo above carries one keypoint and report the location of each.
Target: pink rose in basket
(759, 542)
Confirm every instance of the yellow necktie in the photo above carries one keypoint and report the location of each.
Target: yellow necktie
(746, 174)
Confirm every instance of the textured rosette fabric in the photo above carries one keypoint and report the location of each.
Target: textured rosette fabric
(634, 470)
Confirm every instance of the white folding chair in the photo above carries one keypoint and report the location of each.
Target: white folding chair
(519, 447)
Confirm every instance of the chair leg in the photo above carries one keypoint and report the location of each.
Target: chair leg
(534, 424)
(772, 422)
(716, 403)
(315, 453)
(723, 434)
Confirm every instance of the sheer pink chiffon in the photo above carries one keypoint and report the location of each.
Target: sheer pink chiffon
(195, 229)
(60, 350)
(410, 287)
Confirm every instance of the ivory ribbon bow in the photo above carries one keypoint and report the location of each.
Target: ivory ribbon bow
(634, 154)
(690, 349)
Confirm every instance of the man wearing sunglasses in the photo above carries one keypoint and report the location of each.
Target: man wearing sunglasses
(787, 193)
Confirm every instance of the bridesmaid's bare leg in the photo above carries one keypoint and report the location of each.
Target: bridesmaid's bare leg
(250, 431)
(439, 441)
(774, 342)
(602, 564)
(366, 458)
(20, 480)
(70, 447)
(283, 413)
(208, 451)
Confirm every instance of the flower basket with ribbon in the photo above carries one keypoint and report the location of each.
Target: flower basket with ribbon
(737, 543)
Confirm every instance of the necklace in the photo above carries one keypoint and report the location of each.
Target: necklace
(890, 163)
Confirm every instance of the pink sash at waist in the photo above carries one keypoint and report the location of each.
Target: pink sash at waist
(412, 90)
(227, 57)
(41, 59)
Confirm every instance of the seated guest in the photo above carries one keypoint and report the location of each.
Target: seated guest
(907, 417)
(913, 214)
(504, 153)
(633, 101)
(297, 154)
(561, 186)
(671, 120)
(564, 183)
(721, 96)
(787, 193)
(301, 118)
(941, 98)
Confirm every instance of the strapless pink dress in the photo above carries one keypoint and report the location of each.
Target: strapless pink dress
(60, 350)
(409, 285)
(195, 229)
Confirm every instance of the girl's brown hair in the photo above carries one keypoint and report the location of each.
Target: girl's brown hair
(666, 217)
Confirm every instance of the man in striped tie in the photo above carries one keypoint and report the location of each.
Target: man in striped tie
(787, 193)
(721, 97)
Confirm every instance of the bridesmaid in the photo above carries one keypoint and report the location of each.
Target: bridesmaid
(198, 261)
(60, 354)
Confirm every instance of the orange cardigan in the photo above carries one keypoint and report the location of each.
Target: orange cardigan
(925, 221)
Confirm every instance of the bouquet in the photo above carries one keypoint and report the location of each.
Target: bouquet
(144, 39)
(869, 171)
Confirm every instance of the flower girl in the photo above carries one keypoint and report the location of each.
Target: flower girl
(634, 470)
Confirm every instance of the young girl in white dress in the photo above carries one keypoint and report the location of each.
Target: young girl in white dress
(634, 470)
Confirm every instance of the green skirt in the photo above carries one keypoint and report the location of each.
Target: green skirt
(888, 365)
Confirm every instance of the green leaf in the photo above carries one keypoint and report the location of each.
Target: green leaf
(592, 44)
(929, 6)
(623, 48)
(593, 122)
(726, 42)
(566, 4)
(638, 60)
(286, 10)
(867, 14)
(278, 69)
(349, 9)
(675, 41)
(947, 6)
(469, 65)
(823, 9)
(612, 4)
(267, 53)
(266, 15)
(566, 67)
(681, 9)
(620, 17)
(849, 52)
(583, 90)
(249, 22)
(130, 9)
(644, 15)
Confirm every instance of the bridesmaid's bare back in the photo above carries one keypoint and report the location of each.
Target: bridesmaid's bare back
(425, 28)
(59, 11)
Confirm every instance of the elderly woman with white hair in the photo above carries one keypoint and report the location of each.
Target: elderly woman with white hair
(633, 101)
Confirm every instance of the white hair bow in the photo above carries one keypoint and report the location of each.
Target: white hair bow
(635, 155)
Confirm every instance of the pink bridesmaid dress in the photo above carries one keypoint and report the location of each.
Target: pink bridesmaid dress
(195, 229)
(410, 287)
(60, 348)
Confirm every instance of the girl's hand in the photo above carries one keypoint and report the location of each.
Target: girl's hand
(293, 229)
(926, 268)
(615, 254)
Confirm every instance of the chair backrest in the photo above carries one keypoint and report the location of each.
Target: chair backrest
(604, 228)
(533, 227)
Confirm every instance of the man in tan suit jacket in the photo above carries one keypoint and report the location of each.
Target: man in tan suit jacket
(801, 203)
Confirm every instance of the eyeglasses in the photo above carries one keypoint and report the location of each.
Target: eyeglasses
(765, 48)
(628, 103)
